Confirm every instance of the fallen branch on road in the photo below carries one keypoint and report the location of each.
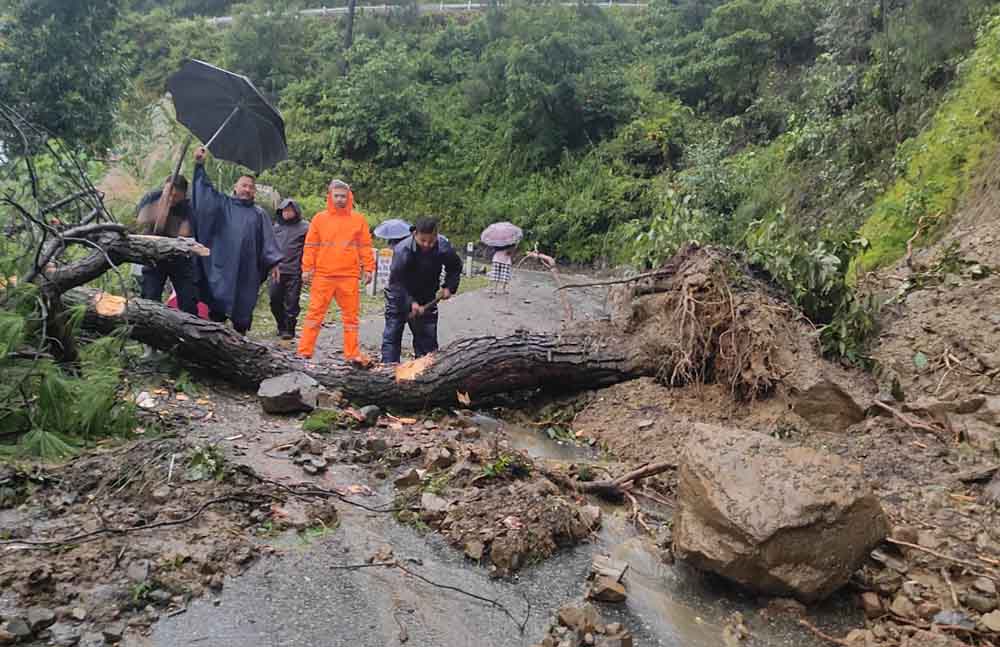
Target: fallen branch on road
(666, 271)
(612, 489)
(913, 424)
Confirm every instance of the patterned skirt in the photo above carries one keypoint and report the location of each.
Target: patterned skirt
(500, 272)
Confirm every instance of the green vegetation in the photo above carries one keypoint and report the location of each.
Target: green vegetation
(814, 136)
(778, 127)
(939, 163)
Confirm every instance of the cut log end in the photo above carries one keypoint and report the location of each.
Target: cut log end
(412, 370)
(109, 305)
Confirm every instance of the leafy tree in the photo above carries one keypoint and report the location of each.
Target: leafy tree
(60, 67)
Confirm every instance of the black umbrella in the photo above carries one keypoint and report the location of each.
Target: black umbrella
(229, 114)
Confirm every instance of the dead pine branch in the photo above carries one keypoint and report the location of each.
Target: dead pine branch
(912, 423)
(820, 634)
(665, 271)
(911, 240)
(971, 565)
(612, 489)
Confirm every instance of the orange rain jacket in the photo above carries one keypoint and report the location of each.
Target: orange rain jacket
(338, 243)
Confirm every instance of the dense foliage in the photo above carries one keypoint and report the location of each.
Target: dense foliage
(776, 126)
(813, 135)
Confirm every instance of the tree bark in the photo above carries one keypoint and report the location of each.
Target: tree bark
(114, 249)
(480, 366)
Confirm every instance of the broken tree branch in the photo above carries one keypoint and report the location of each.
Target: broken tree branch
(665, 271)
(119, 248)
(819, 634)
(913, 424)
(550, 264)
(612, 489)
(949, 558)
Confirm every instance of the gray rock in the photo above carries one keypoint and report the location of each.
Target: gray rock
(370, 414)
(376, 445)
(433, 503)
(782, 520)
(288, 393)
(985, 585)
(439, 458)
(65, 634)
(113, 632)
(17, 627)
(159, 596)
(138, 571)
(40, 617)
(161, 494)
(954, 618)
(409, 478)
(92, 639)
(980, 602)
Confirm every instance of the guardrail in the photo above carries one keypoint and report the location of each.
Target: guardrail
(329, 12)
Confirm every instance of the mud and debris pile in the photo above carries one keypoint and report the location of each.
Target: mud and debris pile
(107, 543)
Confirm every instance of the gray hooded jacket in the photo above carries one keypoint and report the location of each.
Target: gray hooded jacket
(291, 236)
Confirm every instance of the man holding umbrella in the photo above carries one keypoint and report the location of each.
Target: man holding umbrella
(244, 250)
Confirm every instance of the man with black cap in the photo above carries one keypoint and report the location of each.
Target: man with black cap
(286, 279)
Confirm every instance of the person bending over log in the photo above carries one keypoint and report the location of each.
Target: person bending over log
(410, 297)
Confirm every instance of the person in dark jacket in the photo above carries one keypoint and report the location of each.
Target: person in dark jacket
(243, 249)
(177, 223)
(414, 280)
(286, 279)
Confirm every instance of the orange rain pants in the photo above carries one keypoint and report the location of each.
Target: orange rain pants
(347, 293)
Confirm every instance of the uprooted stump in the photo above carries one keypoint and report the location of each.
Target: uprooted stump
(704, 317)
(707, 320)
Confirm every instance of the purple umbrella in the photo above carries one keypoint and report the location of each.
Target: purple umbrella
(501, 234)
(393, 229)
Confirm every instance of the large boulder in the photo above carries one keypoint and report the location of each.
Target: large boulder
(782, 520)
(288, 393)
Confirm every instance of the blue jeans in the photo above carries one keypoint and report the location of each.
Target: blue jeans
(181, 274)
(424, 330)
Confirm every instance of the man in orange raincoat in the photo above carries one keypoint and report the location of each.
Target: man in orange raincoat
(337, 246)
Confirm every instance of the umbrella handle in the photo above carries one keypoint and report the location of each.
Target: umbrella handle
(225, 123)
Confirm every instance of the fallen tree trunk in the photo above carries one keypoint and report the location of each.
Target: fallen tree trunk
(479, 366)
